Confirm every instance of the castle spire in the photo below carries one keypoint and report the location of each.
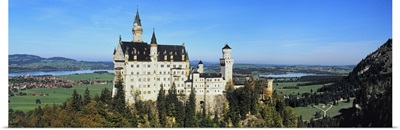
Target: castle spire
(137, 18)
(153, 38)
(137, 29)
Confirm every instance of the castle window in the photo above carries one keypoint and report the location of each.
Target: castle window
(137, 66)
(180, 66)
(148, 86)
(148, 66)
(158, 79)
(131, 80)
(137, 73)
(167, 66)
(144, 92)
(131, 66)
(131, 73)
(174, 66)
(148, 72)
(131, 86)
(140, 79)
(140, 92)
(162, 66)
(149, 92)
(207, 91)
(148, 79)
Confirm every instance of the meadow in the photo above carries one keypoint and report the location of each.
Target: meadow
(89, 76)
(308, 112)
(59, 95)
(302, 89)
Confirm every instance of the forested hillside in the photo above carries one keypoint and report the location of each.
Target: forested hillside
(371, 81)
(24, 63)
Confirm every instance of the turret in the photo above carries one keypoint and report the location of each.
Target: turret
(153, 47)
(226, 63)
(226, 51)
(200, 67)
(137, 29)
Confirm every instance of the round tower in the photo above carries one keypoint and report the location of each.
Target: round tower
(137, 29)
(268, 90)
(227, 63)
(200, 67)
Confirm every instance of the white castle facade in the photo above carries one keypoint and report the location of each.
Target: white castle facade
(143, 68)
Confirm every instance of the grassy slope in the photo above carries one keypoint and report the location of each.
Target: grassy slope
(58, 95)
(308, 112)
(302, 89)
(79, 77)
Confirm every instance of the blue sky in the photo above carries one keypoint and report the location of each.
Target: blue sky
(327, 32)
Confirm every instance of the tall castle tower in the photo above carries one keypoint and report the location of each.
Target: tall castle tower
(137, 29)
(153, 48)
(226, 63)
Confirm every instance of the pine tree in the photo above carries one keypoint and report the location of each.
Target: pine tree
(87, 98)
(190, 110)
(172, 101)
(118, 101)
(76, 101)
(161, 104)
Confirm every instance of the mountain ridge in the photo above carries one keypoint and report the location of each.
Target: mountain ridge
(28, 62)
(370, 82)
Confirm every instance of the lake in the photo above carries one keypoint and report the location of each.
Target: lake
(55, 73)
(291, 75)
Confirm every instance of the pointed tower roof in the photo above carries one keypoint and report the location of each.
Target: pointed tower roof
(137, 18)
(200, 62)
(226, 47)
(153, 38)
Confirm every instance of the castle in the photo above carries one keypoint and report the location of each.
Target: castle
(143, 68)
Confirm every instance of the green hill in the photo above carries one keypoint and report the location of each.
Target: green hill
(371, 82)
(25, 62)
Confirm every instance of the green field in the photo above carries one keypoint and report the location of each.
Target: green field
(89, 76)
(302, 89)
(308, 112)
(58, 95)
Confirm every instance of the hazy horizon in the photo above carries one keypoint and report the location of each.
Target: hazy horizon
(259, 32)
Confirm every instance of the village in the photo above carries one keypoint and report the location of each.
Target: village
(17, 84)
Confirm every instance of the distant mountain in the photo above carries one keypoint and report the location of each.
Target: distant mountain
(26, 59)
(25, 62)
(60, 59)
(23, 59)
(371, 81)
